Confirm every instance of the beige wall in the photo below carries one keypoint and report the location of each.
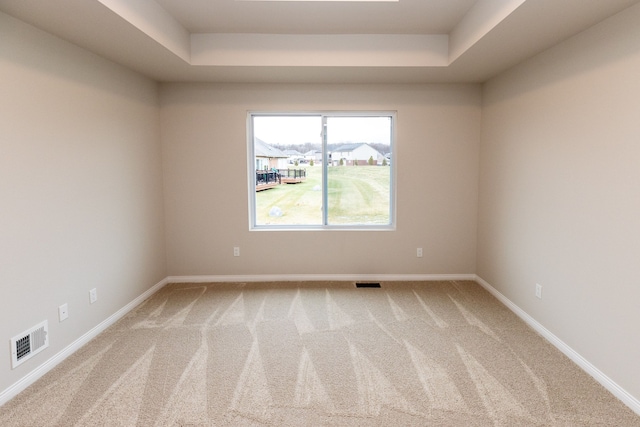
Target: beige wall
(560, 192)
(205, 173)
(80, 189)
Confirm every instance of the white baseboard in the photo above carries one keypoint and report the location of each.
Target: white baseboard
(318, 277)
(49, 364)
(583, 363)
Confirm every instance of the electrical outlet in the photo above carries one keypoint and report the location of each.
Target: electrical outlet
(63, 312)
(419, 252)
(539, 291)
(93, 295)
(236, 251)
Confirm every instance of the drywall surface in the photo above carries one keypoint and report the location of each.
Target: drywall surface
(80, 189)
(559, 192)
(204, 138)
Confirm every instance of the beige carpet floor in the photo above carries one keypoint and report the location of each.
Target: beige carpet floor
(316, 354)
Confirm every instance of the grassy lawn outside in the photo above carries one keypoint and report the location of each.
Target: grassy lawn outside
(356, 195)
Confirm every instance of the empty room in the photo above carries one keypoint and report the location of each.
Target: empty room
(320, 212)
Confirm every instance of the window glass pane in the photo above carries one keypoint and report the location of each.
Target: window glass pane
(359, 173)
(318, 170)
(288, 181)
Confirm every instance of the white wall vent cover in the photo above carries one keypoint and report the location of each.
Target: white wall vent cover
(29, 343)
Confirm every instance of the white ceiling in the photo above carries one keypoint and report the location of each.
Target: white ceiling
(408, 41)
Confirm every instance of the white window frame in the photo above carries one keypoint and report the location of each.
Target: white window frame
(251, 164)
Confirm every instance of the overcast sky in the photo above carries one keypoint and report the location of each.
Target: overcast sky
(289, 130)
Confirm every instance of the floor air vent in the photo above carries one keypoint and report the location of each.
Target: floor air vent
(29, 343)
(367, 285)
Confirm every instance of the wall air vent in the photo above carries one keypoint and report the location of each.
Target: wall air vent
(367, 285)
(29, 343)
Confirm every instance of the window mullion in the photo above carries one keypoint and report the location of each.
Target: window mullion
(325, 162)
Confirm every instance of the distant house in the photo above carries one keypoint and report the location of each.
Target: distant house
(294, 156)
(268, 157)
(356, 153)
(315, 155)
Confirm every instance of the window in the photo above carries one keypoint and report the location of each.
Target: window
(321, 170)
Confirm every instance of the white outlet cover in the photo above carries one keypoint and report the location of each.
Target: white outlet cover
(63, 312)
(539, 291)
(93, 295)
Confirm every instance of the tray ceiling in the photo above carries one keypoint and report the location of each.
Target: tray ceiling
(404, 41)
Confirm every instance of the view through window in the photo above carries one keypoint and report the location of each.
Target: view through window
(321, 170)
